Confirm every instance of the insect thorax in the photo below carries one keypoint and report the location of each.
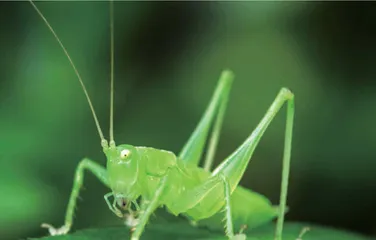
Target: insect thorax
(135, 171)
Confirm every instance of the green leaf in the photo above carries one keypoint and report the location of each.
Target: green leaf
(184, 231)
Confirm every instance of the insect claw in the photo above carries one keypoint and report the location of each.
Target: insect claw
(119, 213)
(56, 231)
(304, 230)
(239, 236)
(243, 228)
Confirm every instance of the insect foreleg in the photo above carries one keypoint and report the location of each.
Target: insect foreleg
(148, 208)
(112, 206)
(192, 150)
(99, 172)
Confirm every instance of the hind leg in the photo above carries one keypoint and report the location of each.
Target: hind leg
(193, 149)
(234, 166)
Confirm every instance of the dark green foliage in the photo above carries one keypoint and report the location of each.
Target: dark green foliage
(168, 57)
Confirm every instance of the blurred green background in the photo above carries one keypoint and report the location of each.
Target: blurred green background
(168, 59)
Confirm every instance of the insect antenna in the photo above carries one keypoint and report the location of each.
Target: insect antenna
(112, 141)
(103, 140)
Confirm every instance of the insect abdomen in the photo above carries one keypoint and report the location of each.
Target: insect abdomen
(248, 208)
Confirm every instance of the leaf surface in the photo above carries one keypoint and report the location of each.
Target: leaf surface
(183, 231)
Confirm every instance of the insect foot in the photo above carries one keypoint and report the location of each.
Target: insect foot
(239, 236)
(130, 220)
(56, 231)
(304, 230)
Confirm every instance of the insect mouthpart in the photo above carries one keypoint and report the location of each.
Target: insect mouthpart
(122, 202)
(127, 204)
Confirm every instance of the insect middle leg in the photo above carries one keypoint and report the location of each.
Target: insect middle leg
(192, 150)
(148, 207)
(99, 171)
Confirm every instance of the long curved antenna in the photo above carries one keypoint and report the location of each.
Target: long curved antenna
(103, 140)
(112, 141)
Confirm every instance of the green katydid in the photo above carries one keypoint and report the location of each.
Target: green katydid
(161, 178)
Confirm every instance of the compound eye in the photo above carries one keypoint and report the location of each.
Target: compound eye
(125, 153)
